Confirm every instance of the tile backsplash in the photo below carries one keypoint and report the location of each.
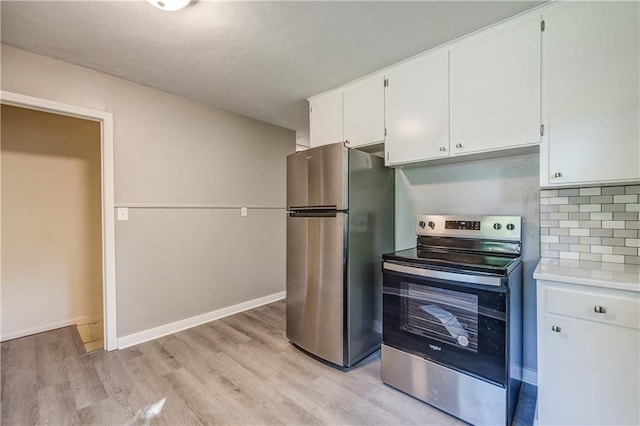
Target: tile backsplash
(598, 224)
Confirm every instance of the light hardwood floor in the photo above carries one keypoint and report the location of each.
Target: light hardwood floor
(237, 370)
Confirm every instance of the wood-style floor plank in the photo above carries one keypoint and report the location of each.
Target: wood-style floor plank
(56, 405)
(19, 382)
(239, 370)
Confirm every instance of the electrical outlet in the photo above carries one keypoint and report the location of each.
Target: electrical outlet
(122, 213)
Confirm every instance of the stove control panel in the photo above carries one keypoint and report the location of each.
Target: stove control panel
(462, 224)
(482, 227)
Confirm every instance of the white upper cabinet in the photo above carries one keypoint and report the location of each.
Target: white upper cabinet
(417, 110)
(590, 93)
(364, 112)
(325, 119)
(495, 88)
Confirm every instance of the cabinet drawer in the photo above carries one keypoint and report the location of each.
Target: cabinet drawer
(616, 309)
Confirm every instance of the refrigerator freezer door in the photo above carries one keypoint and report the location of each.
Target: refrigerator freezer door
(316, 284)
(317, 178)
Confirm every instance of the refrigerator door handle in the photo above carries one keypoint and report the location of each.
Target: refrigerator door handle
(312, 213)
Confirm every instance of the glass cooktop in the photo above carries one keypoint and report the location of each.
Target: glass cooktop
(459, 260)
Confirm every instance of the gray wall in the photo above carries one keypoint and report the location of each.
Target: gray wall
(175, 263)
(503, 186)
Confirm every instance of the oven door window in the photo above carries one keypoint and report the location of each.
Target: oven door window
(448, 316)
(458, 325)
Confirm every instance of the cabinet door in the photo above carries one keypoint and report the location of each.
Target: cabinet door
(325, 119)
(587, 373)
(364, 112)
(417, 110)
(495, 88)
(591, 93)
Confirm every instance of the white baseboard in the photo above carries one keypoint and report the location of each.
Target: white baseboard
(174, 327)
(530, 376)
(50, 326)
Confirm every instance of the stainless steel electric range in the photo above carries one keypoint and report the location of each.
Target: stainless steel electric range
(452, 316)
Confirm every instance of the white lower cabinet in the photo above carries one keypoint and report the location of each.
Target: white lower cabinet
(588, 355)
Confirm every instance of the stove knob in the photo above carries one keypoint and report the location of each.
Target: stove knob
(511, 226)
(497, 226)
(432, 225)
(421, 224)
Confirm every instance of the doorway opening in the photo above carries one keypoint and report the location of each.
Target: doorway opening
(60, 257)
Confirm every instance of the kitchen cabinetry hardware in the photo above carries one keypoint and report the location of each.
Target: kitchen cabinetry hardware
(599, 309)
(542, 25)
(443, 149)
(386, 82)
(458, 145)
(542, 130)
(557, 175)
(555, 328)
(346, 141)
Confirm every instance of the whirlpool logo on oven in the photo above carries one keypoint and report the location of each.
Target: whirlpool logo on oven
(435, 348)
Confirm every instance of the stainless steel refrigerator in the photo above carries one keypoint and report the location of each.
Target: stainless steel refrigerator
(340, 204)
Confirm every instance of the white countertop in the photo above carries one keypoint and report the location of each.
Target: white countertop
(596, 274)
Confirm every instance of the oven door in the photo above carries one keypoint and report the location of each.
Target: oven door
(445, 317)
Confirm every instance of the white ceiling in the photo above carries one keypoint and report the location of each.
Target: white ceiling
(257, 58)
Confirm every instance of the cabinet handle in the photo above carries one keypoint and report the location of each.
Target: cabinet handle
(458, 145)
(347, 142)
(599, 309)
(557, 174)
(555, 328)
(443, 149)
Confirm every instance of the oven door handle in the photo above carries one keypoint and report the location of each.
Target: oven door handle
(450, 276)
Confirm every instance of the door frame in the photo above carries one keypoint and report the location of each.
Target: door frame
(108, 202)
